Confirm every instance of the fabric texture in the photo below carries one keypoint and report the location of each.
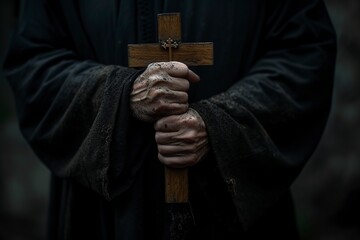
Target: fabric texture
(265, 103)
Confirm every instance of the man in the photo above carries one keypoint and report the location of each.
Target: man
(105, 131)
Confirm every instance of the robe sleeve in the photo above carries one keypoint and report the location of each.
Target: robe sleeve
(68, 107)
(265, 127)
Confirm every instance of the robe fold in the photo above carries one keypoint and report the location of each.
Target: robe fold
(265, 103)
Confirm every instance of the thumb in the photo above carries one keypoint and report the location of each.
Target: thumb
(192, 77)
(179, 69)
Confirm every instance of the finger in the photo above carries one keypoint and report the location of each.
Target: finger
(167, 138)
(165, 95)
(178, 84)
(178, 69)
(185, 160)
(192, 77)
(166, 81)
(174, 68)
(181, 138)
(167, 124)
(164, 109)
(176, 97)
(176, 150)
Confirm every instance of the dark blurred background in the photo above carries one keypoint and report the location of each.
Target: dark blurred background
(327, 193)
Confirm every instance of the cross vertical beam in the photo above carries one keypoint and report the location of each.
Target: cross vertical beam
(170, 48)
(169, 32)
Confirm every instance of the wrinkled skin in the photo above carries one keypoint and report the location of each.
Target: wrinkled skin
(160, 95)
(181, 139)
(161, 91)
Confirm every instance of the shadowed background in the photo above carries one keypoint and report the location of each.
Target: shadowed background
(326, 194)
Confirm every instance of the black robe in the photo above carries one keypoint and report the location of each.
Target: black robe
(265, 103)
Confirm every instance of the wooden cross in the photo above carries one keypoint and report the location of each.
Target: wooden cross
(170, 48)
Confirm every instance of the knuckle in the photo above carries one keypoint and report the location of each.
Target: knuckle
(184, 107)
(159, 80)
(155, 80)
(191, 136)
(157, 94)
(190, 123)
(192, 120)
(181, 65)
(160, 107)
(158, 91)
(154, 66)
(140, 78)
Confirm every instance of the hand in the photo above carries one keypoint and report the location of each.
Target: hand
(161, 91)
(181, 139)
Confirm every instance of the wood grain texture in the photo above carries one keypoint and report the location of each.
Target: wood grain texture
(169, 26)
(176, 185)
(192, 54)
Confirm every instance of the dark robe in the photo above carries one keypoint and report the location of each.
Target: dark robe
(265, 103)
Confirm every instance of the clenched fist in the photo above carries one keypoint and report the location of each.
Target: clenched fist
(181, 139)
(161, 91)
